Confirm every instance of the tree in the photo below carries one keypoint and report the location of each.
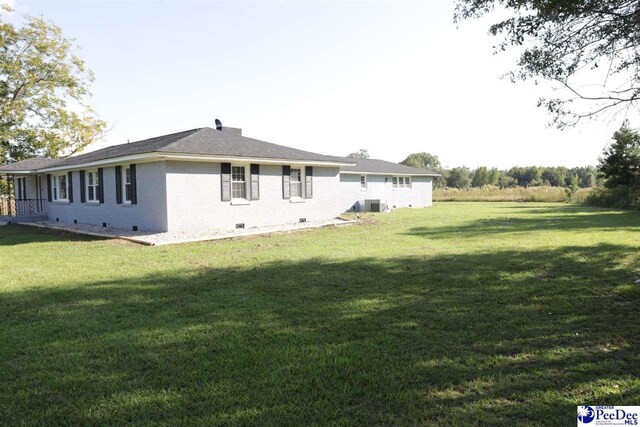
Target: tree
(554, 176)
(43, 91)
(620, 164)
(480, 177)
(507, 181)
(526, 176)
(563, 37)
(459, 177)
(494, 176)
(360, 154)
(588, 177)
(427, 161)
(423, 160)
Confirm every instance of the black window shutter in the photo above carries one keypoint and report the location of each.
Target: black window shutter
(83, 196)
(308, 182)
(70, 186)
(19, 189)
(255, 182)
(225, 181)
(118, 184)
(100, 186)
(49, 187)
(286, 182)
(134, 193)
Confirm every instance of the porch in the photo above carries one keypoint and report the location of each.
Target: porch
(15, 205)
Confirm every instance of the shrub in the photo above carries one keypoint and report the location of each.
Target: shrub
(619, 197)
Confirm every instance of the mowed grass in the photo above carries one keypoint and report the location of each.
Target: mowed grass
(476, 313)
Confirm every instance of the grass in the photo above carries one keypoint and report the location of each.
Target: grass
(484, 313)
(515, 194)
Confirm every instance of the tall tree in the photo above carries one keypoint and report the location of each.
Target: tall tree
(620, 164)
(423, 160)
(44, 86)
(459, 177)
(480, 177)
(427, 161)
(563, 37)
(554, 177)
(360, 154)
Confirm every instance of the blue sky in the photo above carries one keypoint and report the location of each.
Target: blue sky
(332, 77)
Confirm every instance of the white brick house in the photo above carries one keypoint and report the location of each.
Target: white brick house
(214, 179)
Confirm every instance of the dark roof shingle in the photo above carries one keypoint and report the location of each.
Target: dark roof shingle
(203, 141)
(384, 167)
(28, 164)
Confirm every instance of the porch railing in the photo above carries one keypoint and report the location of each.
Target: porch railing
(19, 207)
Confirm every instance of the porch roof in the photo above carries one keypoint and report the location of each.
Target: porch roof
(27, 166)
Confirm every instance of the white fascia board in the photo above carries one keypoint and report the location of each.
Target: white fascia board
(162, 156)
(261, 160)
(17, 172)
(137, 158)
(389, 173)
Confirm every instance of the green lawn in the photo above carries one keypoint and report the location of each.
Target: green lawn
(464, 313)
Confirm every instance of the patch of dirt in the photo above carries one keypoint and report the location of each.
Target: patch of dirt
(362, 218)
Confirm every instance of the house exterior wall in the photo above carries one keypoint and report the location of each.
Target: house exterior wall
(352, 196)
(149, 214)
(194, 199)
(32, 190)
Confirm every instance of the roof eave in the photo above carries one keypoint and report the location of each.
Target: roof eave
(164, 156)
(389, 173)
(17, 172)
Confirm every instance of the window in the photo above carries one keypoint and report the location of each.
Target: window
(401, 182)
(126, 182)
(363, 182)
(238, 183)
(92, 186)
(296, 183)
(60, 188)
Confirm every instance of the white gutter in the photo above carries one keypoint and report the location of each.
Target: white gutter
(161, 156)
(17, 172)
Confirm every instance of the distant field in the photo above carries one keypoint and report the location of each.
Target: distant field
(461, 314)
(517, 194)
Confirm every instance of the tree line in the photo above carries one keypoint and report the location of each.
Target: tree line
(616, 179)
(463, 177)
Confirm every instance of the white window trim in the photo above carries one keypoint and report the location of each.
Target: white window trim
(56, 188)
(125, 202)
(404, 185)
(96, 199)
(300, 198)
(247, 178)
(366, 183)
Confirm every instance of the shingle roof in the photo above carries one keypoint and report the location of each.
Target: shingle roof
(384, 167)
(207, 141)
(203, 141)
(28, 165)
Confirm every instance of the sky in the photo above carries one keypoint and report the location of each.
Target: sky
(330, 77)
